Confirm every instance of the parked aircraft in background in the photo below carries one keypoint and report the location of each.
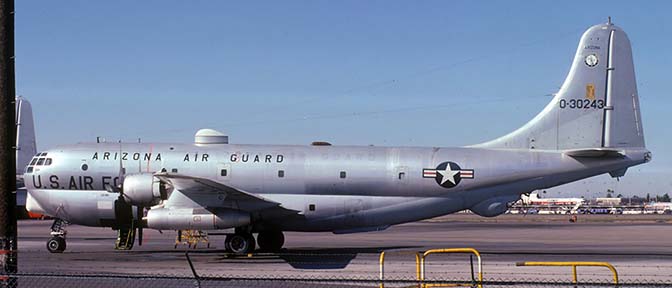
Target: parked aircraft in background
(659, 207)
(533, 199)
(532, 204)
(591, 127)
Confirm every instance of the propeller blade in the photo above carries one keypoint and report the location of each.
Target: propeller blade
(140, 214)
(122, 171)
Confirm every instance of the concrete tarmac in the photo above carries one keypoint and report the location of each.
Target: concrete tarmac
(639, 246)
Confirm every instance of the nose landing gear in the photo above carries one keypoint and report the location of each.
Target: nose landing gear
(57, 244)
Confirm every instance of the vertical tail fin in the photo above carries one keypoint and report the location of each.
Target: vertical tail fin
(25, 134)
(597, 105)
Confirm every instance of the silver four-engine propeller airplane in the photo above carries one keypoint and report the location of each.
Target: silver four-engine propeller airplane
(592, 126)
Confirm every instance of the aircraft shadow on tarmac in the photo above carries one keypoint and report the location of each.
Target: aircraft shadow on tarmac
(336, 258)
(307, 258)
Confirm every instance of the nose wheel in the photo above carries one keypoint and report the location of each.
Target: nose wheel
(57, 244)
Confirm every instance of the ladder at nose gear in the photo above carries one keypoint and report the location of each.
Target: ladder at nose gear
(125, 238)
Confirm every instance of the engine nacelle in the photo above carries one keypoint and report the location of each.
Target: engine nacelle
(195, 219)
(494, 206)
(143, 189)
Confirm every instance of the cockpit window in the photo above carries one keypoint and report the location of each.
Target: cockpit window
(38, 160)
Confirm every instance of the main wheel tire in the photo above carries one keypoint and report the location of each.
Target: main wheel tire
(56, 245)
(239, 243)
(271, 241)
(227, 241)
(253, 243)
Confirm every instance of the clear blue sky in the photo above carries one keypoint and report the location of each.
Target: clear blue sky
(347, 72)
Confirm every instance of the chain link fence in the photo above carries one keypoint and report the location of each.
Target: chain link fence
(307, 269)
(165, 281)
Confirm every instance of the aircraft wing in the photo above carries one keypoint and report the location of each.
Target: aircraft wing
(211, 194)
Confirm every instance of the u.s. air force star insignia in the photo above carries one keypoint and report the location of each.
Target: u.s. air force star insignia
(448, 174)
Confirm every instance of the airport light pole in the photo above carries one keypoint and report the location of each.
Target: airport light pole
(8, 257)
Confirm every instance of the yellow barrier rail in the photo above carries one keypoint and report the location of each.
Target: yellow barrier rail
(574, 265)
(420, 266)
(382, 264)
(422, 271)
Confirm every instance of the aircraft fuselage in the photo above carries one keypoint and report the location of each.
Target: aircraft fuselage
(333, 188)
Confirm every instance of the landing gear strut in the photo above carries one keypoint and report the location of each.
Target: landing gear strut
(57, 242)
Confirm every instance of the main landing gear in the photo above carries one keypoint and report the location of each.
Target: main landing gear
(242, 242)
(270, 241)
(56, 243)
(239, 243)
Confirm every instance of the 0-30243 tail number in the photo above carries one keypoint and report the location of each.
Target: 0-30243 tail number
(581, 104)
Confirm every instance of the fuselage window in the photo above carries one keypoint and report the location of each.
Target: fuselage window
(85, 167)
(311, 207)
(281, 173)
(223, 172)
(342, 174)
(174, 170)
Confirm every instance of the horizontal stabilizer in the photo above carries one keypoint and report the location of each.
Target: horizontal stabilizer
(595, 153)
